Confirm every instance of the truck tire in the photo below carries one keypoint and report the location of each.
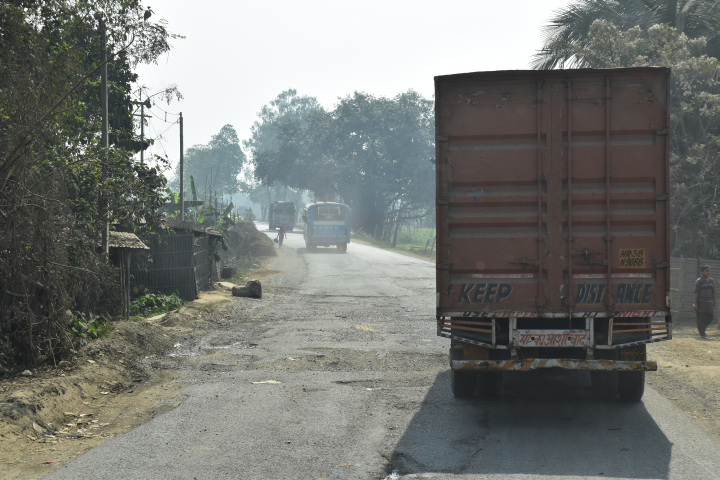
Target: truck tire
(488, 384)
(605, 384)
(631, 386)
(344, 249)
(462, 383)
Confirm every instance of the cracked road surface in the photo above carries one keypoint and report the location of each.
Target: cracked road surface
(337, 373)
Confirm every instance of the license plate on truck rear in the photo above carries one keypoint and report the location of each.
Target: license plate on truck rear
(551, 338)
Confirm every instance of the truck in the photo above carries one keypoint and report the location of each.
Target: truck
(552, 192)
(282, 213)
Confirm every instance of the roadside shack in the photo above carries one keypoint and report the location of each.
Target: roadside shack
(183, 262)
(122, 245)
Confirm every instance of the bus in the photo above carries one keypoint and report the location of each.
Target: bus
(282, 213)
(326, 224)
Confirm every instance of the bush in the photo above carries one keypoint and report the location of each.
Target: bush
(154, 304)
(7, 355)
(82, 328)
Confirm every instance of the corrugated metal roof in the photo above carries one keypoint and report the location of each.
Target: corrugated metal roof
(176, 224)
(126, 240)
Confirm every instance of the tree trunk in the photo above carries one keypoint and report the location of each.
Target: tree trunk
(395, 234)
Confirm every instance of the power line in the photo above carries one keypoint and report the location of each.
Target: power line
(166, 114)
(160, 137)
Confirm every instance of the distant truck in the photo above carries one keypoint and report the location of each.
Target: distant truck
(245, 212)
(553, 224)
(282, 213)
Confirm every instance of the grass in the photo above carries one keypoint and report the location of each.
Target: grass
(417, 241)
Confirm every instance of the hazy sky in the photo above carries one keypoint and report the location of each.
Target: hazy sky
(239, 55)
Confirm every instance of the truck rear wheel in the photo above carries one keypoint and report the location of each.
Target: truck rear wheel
(631, 386)
(462, 383)
(605, 384)
(488, 384)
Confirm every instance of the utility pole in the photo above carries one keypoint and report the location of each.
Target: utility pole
(105, 142)
(142, 129)
(182, 173)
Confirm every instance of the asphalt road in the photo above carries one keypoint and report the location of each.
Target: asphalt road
(356, 386)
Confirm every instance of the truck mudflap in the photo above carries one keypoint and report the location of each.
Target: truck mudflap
(528, 364)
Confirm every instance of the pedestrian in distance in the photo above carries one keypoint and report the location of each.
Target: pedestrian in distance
(704, 300)
(281, 235)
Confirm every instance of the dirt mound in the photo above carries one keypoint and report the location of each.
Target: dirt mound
(82, 402)
(250, 240)
(108, 364)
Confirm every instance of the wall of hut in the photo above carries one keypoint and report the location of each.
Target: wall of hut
(182, 262)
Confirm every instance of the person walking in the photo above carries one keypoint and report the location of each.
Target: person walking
(704, 300)
(281, 235)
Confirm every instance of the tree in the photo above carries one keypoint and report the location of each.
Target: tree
(217, 165)
(301, 157)
(288, 105)
(384, 150)
(567, 33)
(272, 144)
(695, 122)
(53, 168)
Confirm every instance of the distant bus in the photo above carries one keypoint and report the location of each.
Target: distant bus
(326, 224)
(282, 213)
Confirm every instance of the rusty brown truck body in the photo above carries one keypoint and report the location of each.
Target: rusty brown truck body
(553, 224)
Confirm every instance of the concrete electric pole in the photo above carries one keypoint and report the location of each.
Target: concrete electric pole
(182, 173)
(105, 135)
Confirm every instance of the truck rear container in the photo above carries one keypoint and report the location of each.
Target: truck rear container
(282, 214)
(553, 224)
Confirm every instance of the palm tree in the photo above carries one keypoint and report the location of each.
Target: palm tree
(570, 26)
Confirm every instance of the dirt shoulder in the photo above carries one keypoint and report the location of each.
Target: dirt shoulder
(689, 373)
(106, 389)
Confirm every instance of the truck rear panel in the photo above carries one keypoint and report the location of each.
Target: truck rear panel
(552, 215)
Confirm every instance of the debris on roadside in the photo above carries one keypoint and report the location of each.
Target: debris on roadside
(252, 289)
